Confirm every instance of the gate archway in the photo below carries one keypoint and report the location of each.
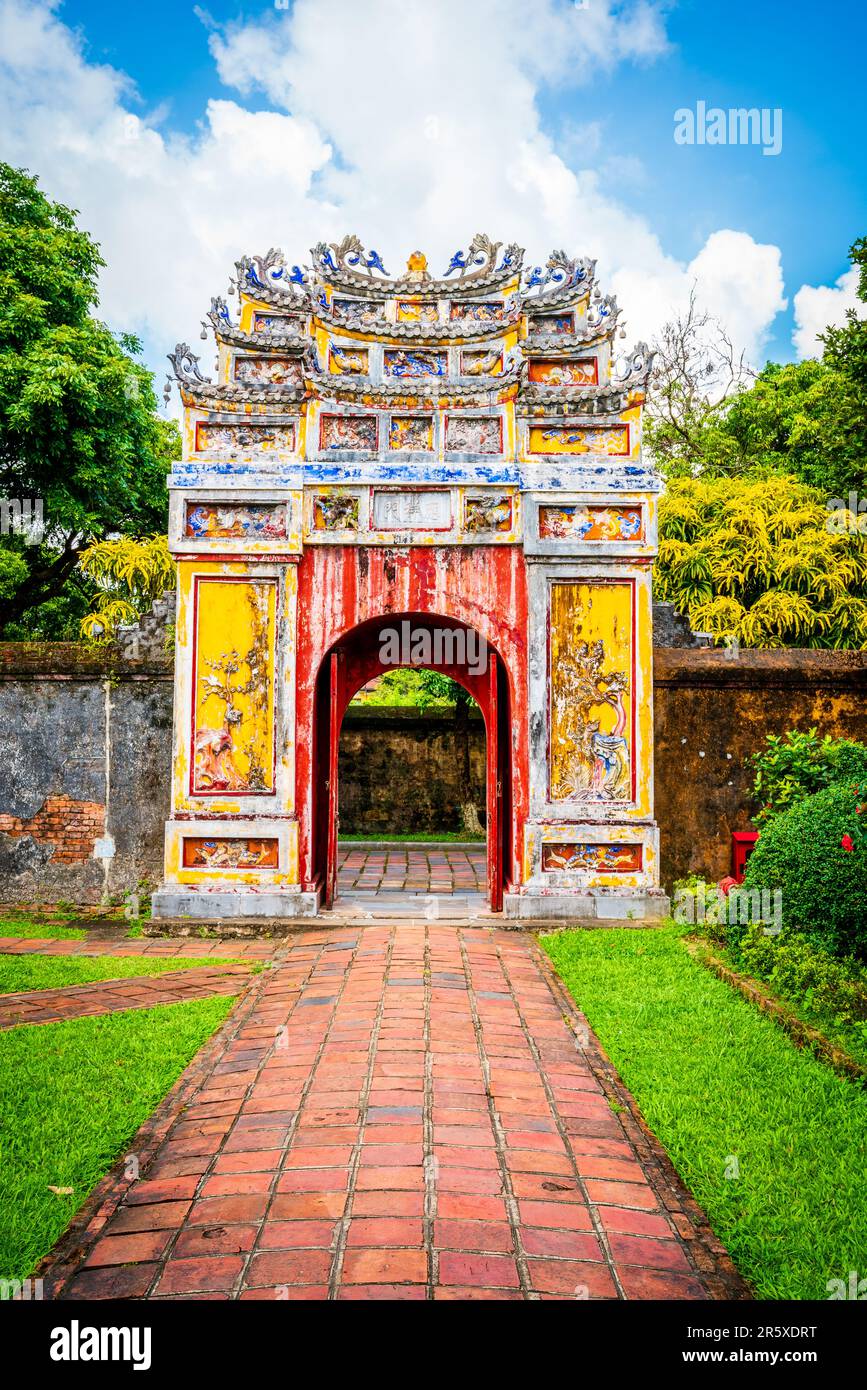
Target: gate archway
(461, 449)
(354, 660)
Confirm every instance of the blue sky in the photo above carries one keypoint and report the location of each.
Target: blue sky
(609, 122)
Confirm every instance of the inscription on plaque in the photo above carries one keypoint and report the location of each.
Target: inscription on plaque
(412, 511)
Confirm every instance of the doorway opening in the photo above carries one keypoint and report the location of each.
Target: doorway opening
(375, 652)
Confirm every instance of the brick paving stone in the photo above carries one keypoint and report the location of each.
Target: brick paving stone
(110, 996)
(399, 1113)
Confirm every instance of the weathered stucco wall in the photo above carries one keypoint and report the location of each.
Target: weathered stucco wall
(74, 723)
(711, 712)
(404, 770)
(86, 742)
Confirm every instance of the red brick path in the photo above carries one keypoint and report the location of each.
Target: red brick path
(442, 868)
(109, 996)
(401, 1112)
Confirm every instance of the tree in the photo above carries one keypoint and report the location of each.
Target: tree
(762, 561)
(129, 575)
(696, 373)
(710, 417)
(79, 428)
(846, 347)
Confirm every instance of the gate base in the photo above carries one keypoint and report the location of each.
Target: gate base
(216, 903)
(650, 905)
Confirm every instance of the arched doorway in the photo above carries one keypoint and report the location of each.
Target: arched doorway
(441, 644)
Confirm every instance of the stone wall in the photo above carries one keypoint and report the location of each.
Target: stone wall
(84, 772)
(712, 709)
(86, 751)
(409, 770)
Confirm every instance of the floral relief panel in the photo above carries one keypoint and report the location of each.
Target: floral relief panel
(474, 434)
(230, 852)
(348, 432)
(490, 311)
(591, 680)
(611, 440)
(594, 858)
(583, 371)
(268, 371)
(223, 521)
(231, 439)
(574, 521)
(411, 432)
(335, 511)
(233, 684)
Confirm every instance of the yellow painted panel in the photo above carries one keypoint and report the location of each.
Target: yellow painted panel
(592, 692)
(612, 440)
(233, 734)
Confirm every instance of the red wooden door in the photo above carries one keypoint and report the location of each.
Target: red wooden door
(331, 784)
(495, 793)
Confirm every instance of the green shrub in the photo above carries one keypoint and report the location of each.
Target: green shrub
(803, 973)
(824, 887)
(798, 764)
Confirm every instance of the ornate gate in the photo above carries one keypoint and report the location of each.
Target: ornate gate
(455, 458)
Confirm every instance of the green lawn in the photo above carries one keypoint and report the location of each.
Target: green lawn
(725, 1091)
(53, 972)
(72, 1095)
(25, 926)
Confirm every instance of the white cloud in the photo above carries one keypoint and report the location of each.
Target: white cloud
(818, 307)
(412, 125)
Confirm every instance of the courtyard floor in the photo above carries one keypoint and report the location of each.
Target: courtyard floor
(441, 869)
(410, 1111)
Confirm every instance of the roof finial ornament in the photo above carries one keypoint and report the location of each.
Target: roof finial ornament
(416, 267)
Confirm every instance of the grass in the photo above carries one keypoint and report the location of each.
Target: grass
(850, 1037)
(54, 972)
(26, 926)
(442, 837)
(725, 1091)
(72, 1095)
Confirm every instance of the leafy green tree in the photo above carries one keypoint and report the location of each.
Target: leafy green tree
(758, 559)
(79, 427)
(709, 417)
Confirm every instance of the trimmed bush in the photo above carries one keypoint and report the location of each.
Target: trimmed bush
(801, 972)
(824, 887)
(800, 763)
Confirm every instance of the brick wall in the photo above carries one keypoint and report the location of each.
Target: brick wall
(69, 828)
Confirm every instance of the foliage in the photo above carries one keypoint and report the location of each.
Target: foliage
(72, 1095)
(707, 418)
(753, 559)
(79, 427)
(823, 885)
(417, 687)
(769, 1139)
(129, 575)
(800, 763)
(825, 988)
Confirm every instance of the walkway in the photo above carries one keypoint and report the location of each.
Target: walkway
(442, 868)
(407, 1112)
(109, 996)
